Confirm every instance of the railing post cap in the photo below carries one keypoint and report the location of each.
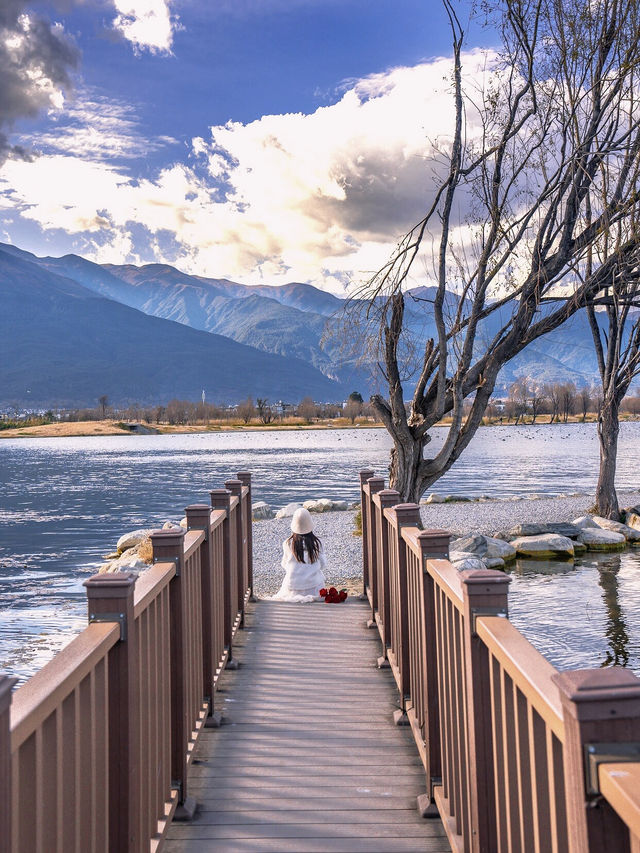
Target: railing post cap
(434, 533)
(160, 536)
(388, 493)
(198, 508)
(234, 486)
(244, 475)
(609, 684)
(220, 492)
(376, 484)
(484, 581)
(366, 474)
(110, 584)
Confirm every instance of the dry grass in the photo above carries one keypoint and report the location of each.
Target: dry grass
(60, 430)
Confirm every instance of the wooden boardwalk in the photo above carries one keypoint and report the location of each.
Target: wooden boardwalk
(310, 759)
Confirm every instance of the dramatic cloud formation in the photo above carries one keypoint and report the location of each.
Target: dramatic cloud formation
(146, 24)
(320, 197)
(36, 59)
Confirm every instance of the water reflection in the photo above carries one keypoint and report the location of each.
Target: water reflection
(616, 631)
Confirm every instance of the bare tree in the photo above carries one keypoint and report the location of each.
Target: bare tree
(524, 156)
(517, 400)
(265, 412)
(246, 410)
(103, 402)
(567, 394)
(352, 409)
(584, 401)
(307, 409)
(617, 346)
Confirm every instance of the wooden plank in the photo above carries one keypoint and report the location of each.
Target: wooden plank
(310, 759)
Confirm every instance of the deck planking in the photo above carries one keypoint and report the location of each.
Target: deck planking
(310, 759)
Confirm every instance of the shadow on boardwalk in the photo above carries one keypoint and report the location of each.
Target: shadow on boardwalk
(310, 759)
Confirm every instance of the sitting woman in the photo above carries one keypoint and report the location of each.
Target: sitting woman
(303, 561)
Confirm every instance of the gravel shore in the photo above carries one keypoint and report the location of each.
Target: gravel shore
(344, 550)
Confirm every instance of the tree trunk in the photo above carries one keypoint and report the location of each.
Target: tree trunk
(404, 470)
(608, 429)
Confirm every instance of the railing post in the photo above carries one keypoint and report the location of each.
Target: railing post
(388, 498)
(365, 475)
(485, 593)
(110, 599)
(601, 707)
(6, 684)
(434, 545)
(221, 499)
(168, 547)
(376, 484)
(235, 487)
(199, 518)
(245, 479)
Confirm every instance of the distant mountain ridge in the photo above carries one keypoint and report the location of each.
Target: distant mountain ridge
(294, 321)
(62, 344)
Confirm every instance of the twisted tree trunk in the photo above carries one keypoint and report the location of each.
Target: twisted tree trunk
(608, 430)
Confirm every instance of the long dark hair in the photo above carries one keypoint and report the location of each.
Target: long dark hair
(304, 542)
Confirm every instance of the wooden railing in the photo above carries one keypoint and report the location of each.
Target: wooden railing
(95, 747)
(517, 756)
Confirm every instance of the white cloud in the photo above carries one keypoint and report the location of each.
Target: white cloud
(93, 127)
(147, 24)
(320, 197)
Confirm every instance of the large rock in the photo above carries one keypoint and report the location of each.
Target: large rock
(453, 499)
(546, 546)
(633, 520)
(434, 499)
(465, 562)
(561, 528)
(288, 510)
(261, 510)
(498, 549)
(602, 540)
(474, 544)
(130, 540)
(493, 562)
(629, 533)
(584, 521)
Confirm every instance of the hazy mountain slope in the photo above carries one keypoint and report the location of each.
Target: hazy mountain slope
(61, 344)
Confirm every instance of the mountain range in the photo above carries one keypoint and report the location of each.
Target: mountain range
(72, 330)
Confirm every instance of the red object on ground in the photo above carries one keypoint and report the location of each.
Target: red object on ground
(332, 596)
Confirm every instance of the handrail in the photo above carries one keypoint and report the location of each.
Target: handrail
(192, 541)
(43, 692)
(98, 742)
(150, 584)
(620, 786)
(530, 671)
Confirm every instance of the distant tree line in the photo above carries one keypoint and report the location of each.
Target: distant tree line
(187, 413)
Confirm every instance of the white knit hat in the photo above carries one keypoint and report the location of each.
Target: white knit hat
(301, 521)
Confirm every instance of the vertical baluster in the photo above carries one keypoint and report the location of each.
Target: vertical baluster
(434, 544)
(111, 595)
(485, 593)
(600, 706)
(245, 479)
(405, 515)
(6, 684)
(221, 499)
(168, 546)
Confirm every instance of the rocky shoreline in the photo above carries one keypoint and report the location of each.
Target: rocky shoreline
(484, 533)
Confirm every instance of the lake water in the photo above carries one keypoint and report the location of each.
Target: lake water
(64, 502)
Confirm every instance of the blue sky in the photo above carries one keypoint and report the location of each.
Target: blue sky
(260, 140)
